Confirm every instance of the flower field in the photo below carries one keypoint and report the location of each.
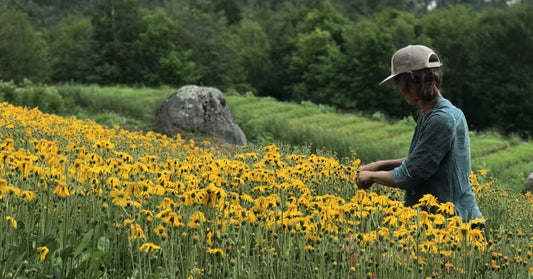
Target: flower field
(82, 201)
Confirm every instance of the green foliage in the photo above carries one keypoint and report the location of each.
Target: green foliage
(125, 105)
(208, 36)
(253, 52)
(330, 52)
(117, 25)
(498, 97)
(314, 63)
(47, 99)
(23, 51)
(71, 56)
(163, 63)
(368, 49)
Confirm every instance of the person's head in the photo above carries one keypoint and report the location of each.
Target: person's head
(415, 69)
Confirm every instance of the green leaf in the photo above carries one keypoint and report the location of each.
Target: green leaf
(84, 242)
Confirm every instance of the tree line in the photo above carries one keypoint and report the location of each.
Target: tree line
(332, 52)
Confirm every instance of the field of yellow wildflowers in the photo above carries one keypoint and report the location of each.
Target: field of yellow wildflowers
(78, 200)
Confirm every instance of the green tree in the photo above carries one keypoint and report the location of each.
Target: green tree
(313, 68)
(327, 18)
(253, 50)
(281, 29)
(117, 25)
(23, 52)
(71, 55)
(499, 78)
(209, 37)
(231, 10)
(158, 53)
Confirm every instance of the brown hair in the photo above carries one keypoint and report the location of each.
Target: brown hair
(430, 80)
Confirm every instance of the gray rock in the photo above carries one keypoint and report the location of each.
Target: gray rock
(199, 109)
(528, 184)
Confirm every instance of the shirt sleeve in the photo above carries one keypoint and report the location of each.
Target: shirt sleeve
(434, 143)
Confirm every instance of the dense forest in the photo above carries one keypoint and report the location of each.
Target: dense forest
(332, 52)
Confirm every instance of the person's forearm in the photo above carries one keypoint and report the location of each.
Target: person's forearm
(384, 178)
(384, 165)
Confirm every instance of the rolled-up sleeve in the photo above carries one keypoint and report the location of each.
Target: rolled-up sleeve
(426, 154)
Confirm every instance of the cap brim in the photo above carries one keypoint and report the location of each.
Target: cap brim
(388, 81)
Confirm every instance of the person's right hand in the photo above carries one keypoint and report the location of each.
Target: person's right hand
(364, 179)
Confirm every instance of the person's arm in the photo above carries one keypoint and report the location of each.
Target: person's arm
(384, 165)
(365, 179)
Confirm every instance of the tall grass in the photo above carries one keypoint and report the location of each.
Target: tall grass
(133, 103)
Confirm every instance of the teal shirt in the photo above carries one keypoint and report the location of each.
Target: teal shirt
(438, 162)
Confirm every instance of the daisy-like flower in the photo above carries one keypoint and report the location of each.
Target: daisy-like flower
(43, 251)
(215, 251)
(29, 195)
(62, 190)
(447, 208)
(427, 200)
(160, 230)
(119, 197)
(149, 247)
(196, 218)
(13, 221)
(136, 232)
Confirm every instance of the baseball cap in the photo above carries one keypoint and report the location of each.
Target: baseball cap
(411, 58)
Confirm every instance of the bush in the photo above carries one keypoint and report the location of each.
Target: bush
(28, 95)
(7, 91)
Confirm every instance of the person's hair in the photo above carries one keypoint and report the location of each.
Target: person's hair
(430, 80)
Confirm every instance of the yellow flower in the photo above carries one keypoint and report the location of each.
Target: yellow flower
(173, 219)
(13, 221)
(62, 190)
(209, 238)
(196, 218)
(215, 251)
(427, 200)
(149, 247)
(29, 195)
(136, 232)
(43, 251)
(160, 230)
(447, 208)
(120, 197)
(392, 220)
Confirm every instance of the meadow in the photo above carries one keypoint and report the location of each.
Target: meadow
(82, 200)
(266, 120)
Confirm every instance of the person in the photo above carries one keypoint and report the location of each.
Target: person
(438, 161)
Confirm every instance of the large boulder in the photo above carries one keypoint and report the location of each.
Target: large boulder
(528, 184)
(199, 109)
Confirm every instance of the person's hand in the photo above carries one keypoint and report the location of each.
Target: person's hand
(368, 167)
(364, 179)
